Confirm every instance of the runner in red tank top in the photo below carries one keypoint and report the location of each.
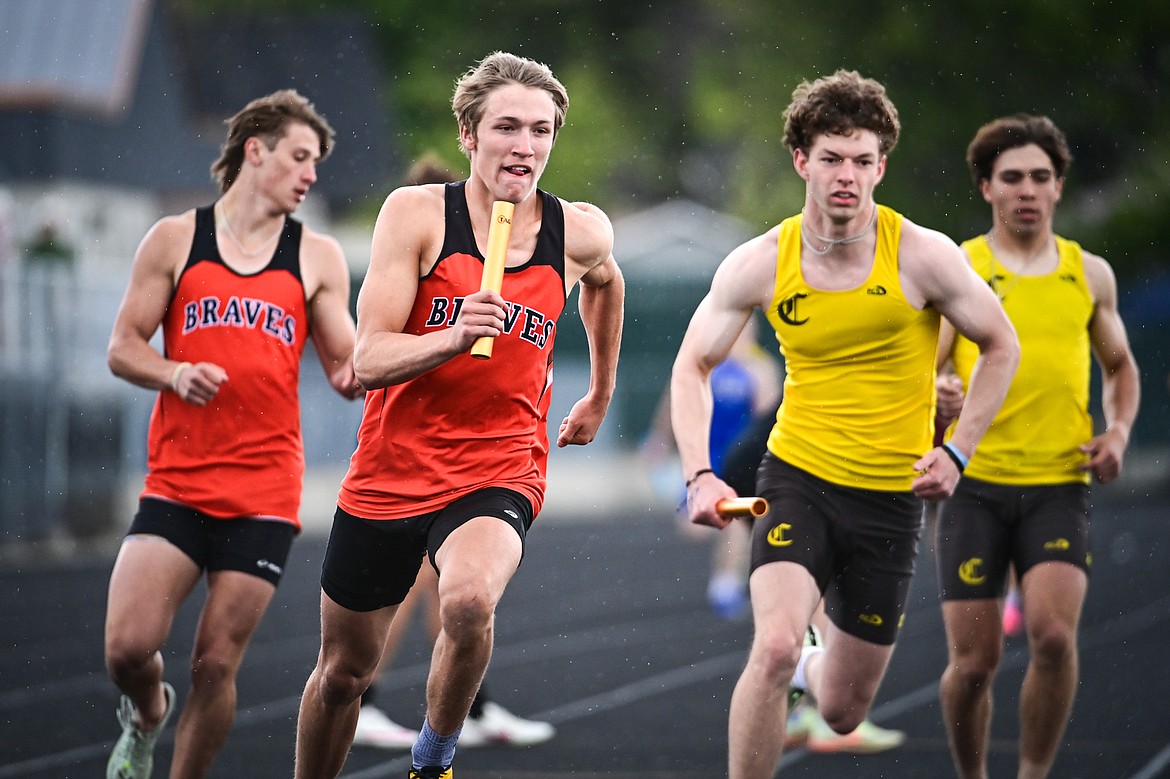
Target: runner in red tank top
(488, 722)
(451, 454)
(236, 288)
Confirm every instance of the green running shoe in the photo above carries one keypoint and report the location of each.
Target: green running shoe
(133, 755)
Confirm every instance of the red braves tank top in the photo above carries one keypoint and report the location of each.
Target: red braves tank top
(466, 424)
(241, 454)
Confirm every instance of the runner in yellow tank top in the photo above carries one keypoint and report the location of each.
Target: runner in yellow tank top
(1037, 435)
(820, 424)
(855, 293)
(1024, 503)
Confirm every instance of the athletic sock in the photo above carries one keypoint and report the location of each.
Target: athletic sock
(799, 679)
(433, 749)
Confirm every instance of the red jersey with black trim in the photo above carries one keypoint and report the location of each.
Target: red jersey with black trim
(466, 424)
(242, 453)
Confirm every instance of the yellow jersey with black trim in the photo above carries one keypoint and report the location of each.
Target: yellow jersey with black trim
(1045, 416)
(858, 406)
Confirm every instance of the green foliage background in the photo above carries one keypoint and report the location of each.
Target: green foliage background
(685, 98)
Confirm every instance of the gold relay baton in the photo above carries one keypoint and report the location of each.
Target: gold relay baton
(499, 232)
(742, 507)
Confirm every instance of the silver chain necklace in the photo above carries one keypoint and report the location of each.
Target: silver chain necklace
(227, 226)
(833, 243)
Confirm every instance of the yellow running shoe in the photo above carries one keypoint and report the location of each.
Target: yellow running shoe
(431, 772)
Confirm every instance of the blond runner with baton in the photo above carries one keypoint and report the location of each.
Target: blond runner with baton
(451, 463)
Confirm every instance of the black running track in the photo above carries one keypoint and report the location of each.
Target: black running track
(604, 632)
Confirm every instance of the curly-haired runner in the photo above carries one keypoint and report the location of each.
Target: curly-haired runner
(855, 293)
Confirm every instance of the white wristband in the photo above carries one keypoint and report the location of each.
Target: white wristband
(175, 376)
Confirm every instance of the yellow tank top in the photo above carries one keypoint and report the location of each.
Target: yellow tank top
(858, 406)
(1045, 417)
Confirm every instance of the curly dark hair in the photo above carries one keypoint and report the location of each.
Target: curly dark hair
(840, 104)
(1011, 132)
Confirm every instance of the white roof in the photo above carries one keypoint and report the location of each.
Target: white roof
(79, 53)
(676, 238)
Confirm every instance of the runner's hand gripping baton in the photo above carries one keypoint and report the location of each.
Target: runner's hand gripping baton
(493, 267)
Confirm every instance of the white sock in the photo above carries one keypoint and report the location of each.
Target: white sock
(799, 680)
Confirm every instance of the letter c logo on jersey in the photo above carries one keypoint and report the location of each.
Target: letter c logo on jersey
(786, 310)
(969, 571)
(776, 535)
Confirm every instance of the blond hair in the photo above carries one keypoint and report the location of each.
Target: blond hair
(500, 69)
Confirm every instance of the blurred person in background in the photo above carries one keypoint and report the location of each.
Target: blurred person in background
(745, 388)
(49, 293)
(1023, 505)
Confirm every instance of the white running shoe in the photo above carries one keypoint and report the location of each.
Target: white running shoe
(375, 729)
(501, 727)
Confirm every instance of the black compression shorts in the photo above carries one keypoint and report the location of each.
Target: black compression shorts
(859, 545)
(372, 563)
(256, 546)
(984, 528)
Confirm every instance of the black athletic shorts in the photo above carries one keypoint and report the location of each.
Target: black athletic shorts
(859, 545)
(984, 528)
(372, 563)
(256, 546)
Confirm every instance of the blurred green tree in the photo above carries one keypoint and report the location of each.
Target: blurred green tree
(685, 99)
